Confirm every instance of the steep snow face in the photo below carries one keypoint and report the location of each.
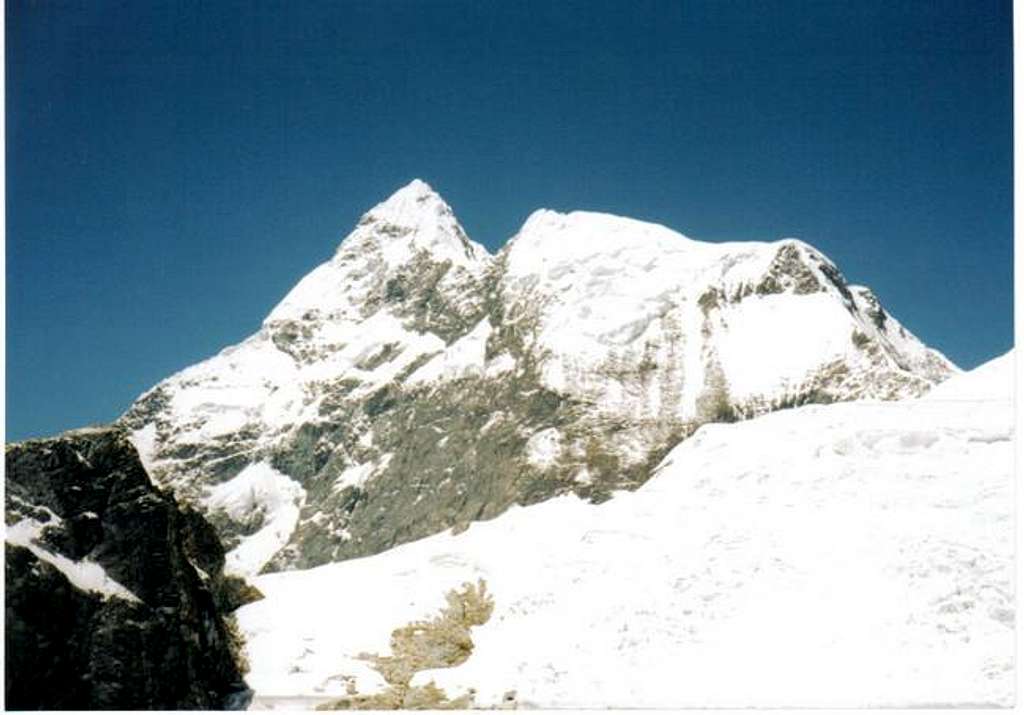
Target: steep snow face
(756, 321)
(401, 384)
(848, 555)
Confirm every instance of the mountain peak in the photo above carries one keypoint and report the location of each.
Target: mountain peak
(410, 207)
(417, 217)
(416, 191)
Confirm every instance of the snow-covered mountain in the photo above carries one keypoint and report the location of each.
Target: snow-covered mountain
(414, 382)
(856, 554)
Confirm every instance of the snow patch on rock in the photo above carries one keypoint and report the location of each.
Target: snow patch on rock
(463, 358)
(144, 441)
(261, 490)
(85, 574)
(544, 447)
(356, 475)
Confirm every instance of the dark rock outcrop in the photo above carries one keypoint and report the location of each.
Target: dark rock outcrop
(115, 596)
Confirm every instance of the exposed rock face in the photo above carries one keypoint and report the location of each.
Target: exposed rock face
(415, 383)
(115, 596)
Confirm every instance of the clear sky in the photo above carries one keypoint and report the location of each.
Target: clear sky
(173, 168)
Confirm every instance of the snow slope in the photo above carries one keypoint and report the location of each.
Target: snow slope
(845, 555)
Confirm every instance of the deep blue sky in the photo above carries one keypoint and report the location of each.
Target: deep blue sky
(175, 167)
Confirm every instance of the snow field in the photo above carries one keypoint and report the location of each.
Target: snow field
(848, 555)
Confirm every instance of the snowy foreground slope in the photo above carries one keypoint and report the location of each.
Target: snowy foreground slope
(855, 554)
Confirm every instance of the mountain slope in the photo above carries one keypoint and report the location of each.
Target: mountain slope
(846, 555)
(414, 382)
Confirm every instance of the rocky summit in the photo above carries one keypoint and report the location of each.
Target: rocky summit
(415, 383)
(116, 596)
